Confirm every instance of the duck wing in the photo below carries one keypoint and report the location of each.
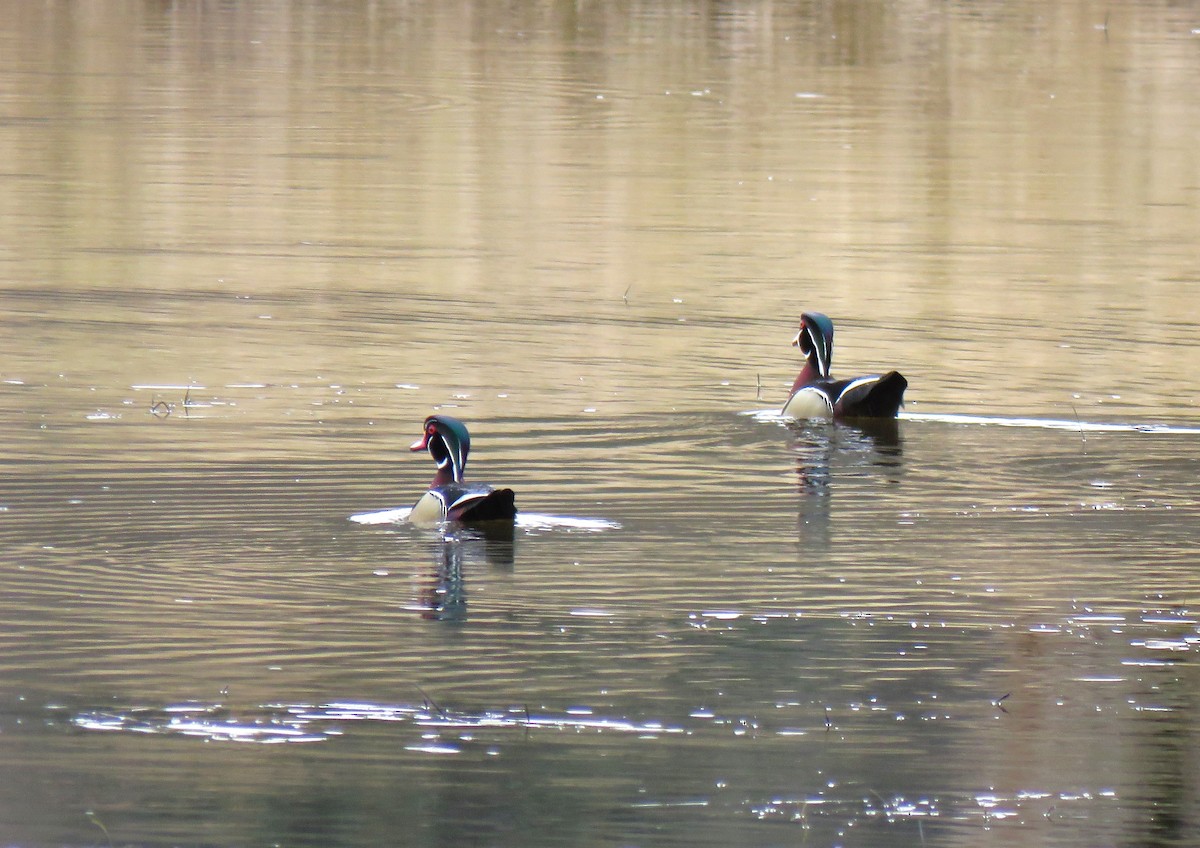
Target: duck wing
(481, 503)
(871, 397)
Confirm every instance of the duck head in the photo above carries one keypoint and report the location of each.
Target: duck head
(815, 340)
(448, 443)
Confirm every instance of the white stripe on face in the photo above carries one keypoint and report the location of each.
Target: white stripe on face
(816, 347)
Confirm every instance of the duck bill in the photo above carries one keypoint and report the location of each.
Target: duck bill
(420, 444)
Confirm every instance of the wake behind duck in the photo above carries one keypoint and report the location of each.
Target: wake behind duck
(450, 500)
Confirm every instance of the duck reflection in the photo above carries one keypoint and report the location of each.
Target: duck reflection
(444, 597)
(827, 451)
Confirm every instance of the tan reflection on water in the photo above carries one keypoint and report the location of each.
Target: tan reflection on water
(318, 221)
(1000, 199)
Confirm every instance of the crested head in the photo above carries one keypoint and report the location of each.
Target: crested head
(448, 442)
(815, 340)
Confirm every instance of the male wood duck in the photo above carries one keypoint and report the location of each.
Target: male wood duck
(449, 498)
(815, 394)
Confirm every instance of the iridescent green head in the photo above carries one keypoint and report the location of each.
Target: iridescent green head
(815, 341)
(448, 442)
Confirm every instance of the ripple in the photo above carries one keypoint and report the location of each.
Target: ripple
(774, 416)
(529, 521)
(210, 722)
(303, 723)
(1049, 423)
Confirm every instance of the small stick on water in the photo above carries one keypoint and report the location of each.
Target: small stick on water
(625, 297)
(430, 703)
(999, 702)
(828, 720)
(94, 819)
(160, 408)
(187, 401)
(758, 385)
(1082, 432)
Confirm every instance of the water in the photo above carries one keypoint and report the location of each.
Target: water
(247, 250)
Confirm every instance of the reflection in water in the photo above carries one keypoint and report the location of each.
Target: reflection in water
(828, 450)
(445, 597)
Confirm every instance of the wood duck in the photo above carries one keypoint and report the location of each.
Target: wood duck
(815, 394)
(449, 498)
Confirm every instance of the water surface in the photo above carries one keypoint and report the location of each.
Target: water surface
(248, 249)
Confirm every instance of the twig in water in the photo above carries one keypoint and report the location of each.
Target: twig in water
(625, 297)
(828, 720)
(758, 385)
(999, 702)
(94, 819)
(1082, 432)
(430, 703)
(160, 408)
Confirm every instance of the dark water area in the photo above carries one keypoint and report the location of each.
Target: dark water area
(246, 250)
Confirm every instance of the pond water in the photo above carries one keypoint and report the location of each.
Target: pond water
(247, 249)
